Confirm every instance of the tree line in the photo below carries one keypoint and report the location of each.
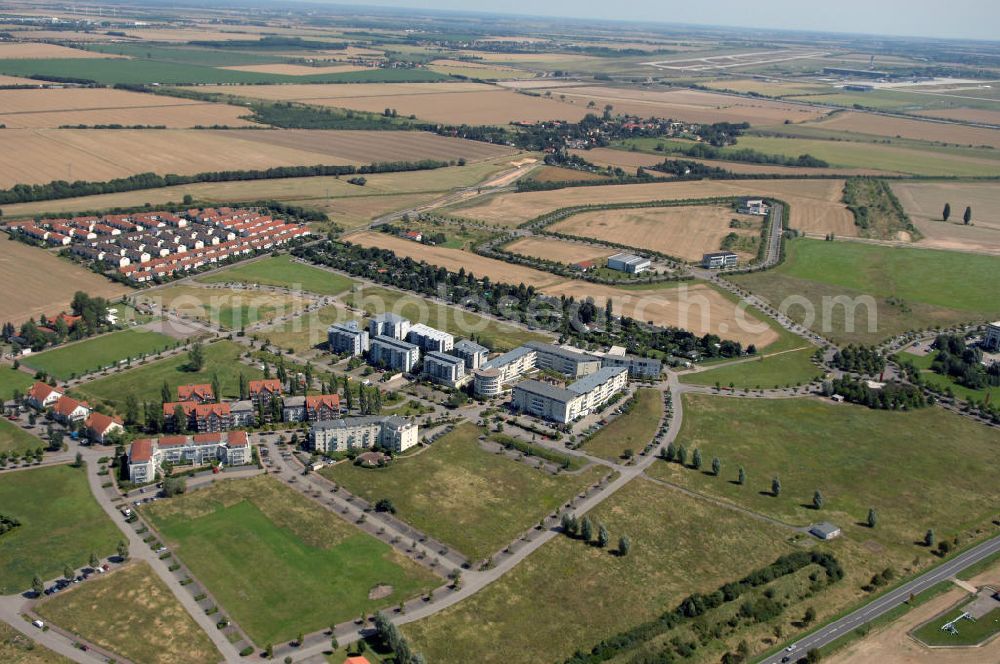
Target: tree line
(963, 363)
(859, 359)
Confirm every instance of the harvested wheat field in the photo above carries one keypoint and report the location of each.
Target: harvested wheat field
(964, 115)
(449, 103)
(561, 251)
(16, 80)
(53, 282)
(686, 232)
(881, 125)
(354, 211)
(924, 202)
(455, 259)
(297, 70)
(558, 174)
(816, 204)
(52, 108)
(690, 105)
(32, 50)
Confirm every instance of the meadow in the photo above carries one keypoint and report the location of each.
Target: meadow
(911, 288)
(631, 431)
(90, 355)
(284, 272)
(307, 331)
(919, 470)
(881, 125)
(783, 369)
(319, 568)
(462, 495)
(14, 438)
(144, 381)
(232, 308)
(61, 524)
(158, 630)
(11, 379)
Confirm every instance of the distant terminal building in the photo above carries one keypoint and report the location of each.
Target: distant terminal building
(393, 353)
(991, 340)
(629, 263)
(571, 363)
(564, 405)
(445, 369)
(858, 87)
(856, 73)
(472, 353)
(356, 433)
(489, 379)
(347, 338)
(429, 339)
(388, 325)
(719, 259)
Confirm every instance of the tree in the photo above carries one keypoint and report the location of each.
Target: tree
(872, 517)
(123, 549)
(180, 419)
(586, 529)
(37, 586)
(68, 573)
(742, 478)
(269, 651)
(602, 536)
(165, 394)
(929, 538)
(174, 486)
(624, 545)
(817, 500)
(196, 358)
(716, 466)
(385, 505)
(696, 461)
(682, 455)
(243, 386)
(947, 212)
(131, 410)
(78, 462)
(776, 487)
(94, 560)
(967, 216)
(216, 388)
(333, 643)
(809, 616)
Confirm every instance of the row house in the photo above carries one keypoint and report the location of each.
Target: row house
(262, 392)
(202, 393)
(41, 396)
(99, 427)
(58, 239)
(67, 409)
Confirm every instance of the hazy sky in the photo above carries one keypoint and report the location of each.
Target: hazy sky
(978, 19)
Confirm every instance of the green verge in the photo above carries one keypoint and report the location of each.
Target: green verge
(284, 272)
(11, 379)
(633, 430)
(94, 354)
(13, 437)
(785, 369)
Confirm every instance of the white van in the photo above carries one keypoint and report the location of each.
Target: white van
(38, 623)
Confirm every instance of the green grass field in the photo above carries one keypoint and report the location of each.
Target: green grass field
(158, 630)
(279, 564)
(943, 383)
(306, 331)
(911, 288)
(633, 431)
(232, 308)
(459, 322)
(285, 272)
(568, 596)
(94, 354)
(13, 437)
(919, 470)
(209, 57)
(11, 379)
(767, 371)
(144, 381)
(970, 632)
(61, 524)
(464, 496)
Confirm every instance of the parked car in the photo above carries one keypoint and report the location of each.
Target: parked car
(38, 623)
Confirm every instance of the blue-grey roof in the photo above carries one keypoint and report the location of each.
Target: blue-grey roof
(508, 357)
(395, 343)
(628, 259)
(553, 349)
(349, 326)
(389, 317)
(444, 358)
(589, 382)
(470, 347)
(368, 420)
(546, 390)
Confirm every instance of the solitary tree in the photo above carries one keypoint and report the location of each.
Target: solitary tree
(37, 586)
(602, 536)
(586, 529)
(216, 388)
(716, 466)
(947, 211)
(817, 500)
(123, 549)
(94, 560)
(967, 216)
(742, 479)
(810, 615)
(624, 545)
(775, 487)
(929, 538)
(696, 461)
(872, 517)
(165, 395)
(269, 651)
(68, 573)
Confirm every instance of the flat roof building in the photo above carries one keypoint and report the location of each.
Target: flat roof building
(719, 259)
(638, 367)
(571, 363)
(347, 338)
(472, 353)
(629, 263)
(146, 455)
(991, 340)
(388, 325)
(494, 374)
(445, 369)
(393, 353)
(354, 433)
(428, 339)
(564, 405)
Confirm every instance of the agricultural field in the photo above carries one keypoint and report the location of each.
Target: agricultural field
(816, 205)
(631, 431)
(476, 71)
(16, 648)
(557, 174)
(90, 355)
(680, 545)
(282, 271)
(768, 88)
(766, 371)
(61, 524)
(495, 335)
(909, 288)
(11, 379)
(53, 282)
(21, 51)
(320, 569)
(52, 108)
(463, 495)
(14, 438)
(920, 469)
(144, 382)
(448, 103)
(158, 630)
(232, 308)
(925, 201)
(561, 251)
(880, 125)
(686, 232)
(307, 331)
(975, 115)
(297, 70)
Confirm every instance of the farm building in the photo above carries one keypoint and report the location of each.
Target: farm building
(629, 263)
(755, 206)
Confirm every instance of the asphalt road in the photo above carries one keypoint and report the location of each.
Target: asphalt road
(885, 603)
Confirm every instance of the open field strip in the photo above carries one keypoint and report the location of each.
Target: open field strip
(557, 174)
(11, 379)
(686, 232)
(278, 565)
(630, 431)
(90, 355)
(697, 307)
(158, 629)
(909, 288)
(53, 282)
(561, 251)
(963, 114)
(766, 371)
(16, 648)
(880, 125)
(144, 382)
(14, 438)
(22, 50)
(17, 80)
(282, 271)
(932, 468)
(296, 70)
(463, 495)
(232, 308)
(816, 205)
(307, 331)
(61, 524)
(327, 193)
(924, 202)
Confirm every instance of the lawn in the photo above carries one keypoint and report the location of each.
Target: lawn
(920, 470)
(493, 334)
(633, 430)
(232, 308)
(13, 437)
(766, 371)
(944, 383)
(568, 596)
(158, 630)
(11, 379)
(16, 648)
(308, 330)
(278, 563)
(903, 288)
(145, 381)
(283, 271)
(969, 633)
(462, 495)
(61, 524)
(92, 355)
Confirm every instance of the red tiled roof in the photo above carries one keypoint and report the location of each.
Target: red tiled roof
(66, 405)
(358, 659)
(141, 450)
(172, 441)
(99, 422)
(40, 391)
(237, 438)
(331, 401)
(203, 438)
(189, 392)
(200, 410)
(269, 384)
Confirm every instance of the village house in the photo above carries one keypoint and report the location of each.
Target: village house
(41, 396)
(68, 409)
(99, 426)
